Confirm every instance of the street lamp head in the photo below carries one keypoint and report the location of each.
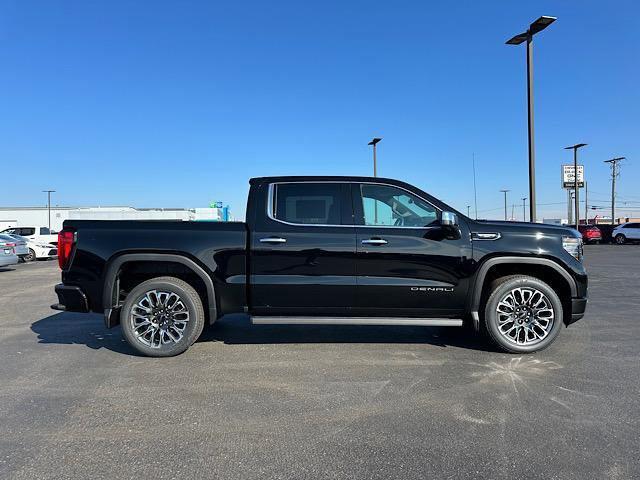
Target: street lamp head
(540, 24)
(576, 146)
(505, 191)
(374, 141)
(537, 26)
(518, 39)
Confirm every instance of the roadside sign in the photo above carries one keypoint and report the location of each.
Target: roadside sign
(568, 176)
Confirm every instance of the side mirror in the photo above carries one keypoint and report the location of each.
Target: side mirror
(449, 219)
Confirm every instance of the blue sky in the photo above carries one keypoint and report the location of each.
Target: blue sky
(179, 103)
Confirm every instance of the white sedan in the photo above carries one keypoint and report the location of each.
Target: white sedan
(37, 249)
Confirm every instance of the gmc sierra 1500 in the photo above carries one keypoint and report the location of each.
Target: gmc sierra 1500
(326, 250)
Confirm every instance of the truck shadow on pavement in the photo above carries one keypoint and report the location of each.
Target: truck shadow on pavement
(80, 329)
(88, 329)
(238, 329)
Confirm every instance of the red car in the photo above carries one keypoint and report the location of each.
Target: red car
(590, 233)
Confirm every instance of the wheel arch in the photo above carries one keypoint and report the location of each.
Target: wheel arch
(542, 268)
(110, 293)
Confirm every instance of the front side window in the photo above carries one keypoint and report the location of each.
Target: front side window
(44, 231)
(308, 203)
(384, 205)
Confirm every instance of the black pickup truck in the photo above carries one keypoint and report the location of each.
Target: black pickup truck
(326, 250)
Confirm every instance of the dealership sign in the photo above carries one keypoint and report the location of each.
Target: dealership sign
(568, 176)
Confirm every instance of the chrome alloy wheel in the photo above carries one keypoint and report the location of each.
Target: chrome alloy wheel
(159, 318)
(525, 316)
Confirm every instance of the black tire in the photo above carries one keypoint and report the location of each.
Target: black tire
(620, 239)
(502, 287)
(191, 331)
(30, 257)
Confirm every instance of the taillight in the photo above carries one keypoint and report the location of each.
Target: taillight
(66, 239)
(10, 244)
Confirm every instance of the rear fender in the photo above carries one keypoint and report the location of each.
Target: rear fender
(110, 289)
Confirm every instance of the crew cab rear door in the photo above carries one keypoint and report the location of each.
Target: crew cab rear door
(302, 252)
(407, 264)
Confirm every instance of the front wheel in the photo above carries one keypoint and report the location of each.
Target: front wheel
(620, 239)
(162, 317)
(523, 314)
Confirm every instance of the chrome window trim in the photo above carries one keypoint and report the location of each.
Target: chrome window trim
(271, 197)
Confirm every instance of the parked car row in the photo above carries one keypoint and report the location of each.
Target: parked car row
(15, 248)
(619, 234)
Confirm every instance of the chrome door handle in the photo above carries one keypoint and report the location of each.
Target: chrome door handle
(273, 240)
(375, 241)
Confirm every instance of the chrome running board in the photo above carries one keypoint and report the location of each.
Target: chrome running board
(424, 322)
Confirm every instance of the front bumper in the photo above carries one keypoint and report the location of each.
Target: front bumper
(70, 299)
(578, 307)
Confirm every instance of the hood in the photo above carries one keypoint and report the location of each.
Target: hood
(506, 226)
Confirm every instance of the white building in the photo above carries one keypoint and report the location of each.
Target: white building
(39, 216)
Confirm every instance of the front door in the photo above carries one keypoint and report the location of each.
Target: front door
(407, 264)
(303, 251)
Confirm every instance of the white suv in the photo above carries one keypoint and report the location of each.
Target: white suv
(38, 234)
(625, 232)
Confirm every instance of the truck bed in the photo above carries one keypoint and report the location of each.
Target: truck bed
(220, 248)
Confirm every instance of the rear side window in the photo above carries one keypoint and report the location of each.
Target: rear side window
(27, 231)
(308, 203)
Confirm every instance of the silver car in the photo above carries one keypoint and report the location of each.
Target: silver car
(20, 244)
(7, 253)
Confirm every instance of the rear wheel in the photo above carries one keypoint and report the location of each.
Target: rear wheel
(620, 239)
(30, 257)
(523, 314)
(162, 317)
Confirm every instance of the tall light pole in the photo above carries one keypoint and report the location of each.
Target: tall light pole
(614, 173)
(586, 207)
(505, 202)
(524, 214)
(575, 179)
(469, 211)
(537, 26)
(49, 192)
(374, 142)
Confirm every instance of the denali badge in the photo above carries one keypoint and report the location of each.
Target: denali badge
(432, 289)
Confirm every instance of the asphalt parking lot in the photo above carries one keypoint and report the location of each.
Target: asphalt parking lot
(320, 402)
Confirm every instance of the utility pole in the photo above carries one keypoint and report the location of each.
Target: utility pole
(524, 211)
(537, 26)
(505, 202)
(49, 192)
(468, 210)
(614, 173)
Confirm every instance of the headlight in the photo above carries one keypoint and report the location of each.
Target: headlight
(573, 245)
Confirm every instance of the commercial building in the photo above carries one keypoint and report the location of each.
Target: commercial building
(39, 216)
